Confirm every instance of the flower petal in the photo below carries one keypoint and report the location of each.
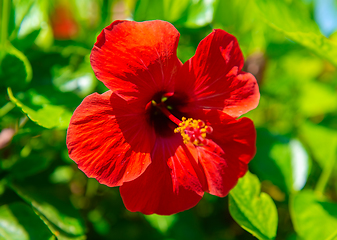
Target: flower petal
(237, 137)
(183, 162)
(213, 78)
(224, 159)
(136, 59)
(222, 173)
(162, 189)
(106, 141)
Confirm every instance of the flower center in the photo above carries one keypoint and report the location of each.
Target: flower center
(191, 130)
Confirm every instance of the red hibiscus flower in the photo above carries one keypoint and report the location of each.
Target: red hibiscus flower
(166, 132)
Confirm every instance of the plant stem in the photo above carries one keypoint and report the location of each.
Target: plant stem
(6, 108)
(4, 28)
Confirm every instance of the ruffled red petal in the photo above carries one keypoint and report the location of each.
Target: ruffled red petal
(109, 142)
(213, 79)
(231, 146)
(169, 185)
(136, 59)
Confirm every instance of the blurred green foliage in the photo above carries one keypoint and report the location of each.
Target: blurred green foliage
(45, 73)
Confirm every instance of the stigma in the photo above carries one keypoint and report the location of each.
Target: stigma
(194, 131)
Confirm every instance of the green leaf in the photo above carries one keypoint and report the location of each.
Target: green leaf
(142, 10)
(60, 216)
(280, 160)
(252, 210)
(47, 107)
(149, 10)
(182, 12)
(20, 10)
(27, 166)
(161, 223)
(26, 41)
(19, 222)
(200, 13)
(317, 99)
(293, 20)
(82, 81)
(313, 218)
(32, 16)
(61, 235)
(15, 69)
(322, 142)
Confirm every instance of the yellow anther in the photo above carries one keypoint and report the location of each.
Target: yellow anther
(193, 131)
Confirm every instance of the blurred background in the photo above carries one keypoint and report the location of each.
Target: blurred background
(289, 45)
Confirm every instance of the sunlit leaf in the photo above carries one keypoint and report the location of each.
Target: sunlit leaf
(308, 66)
(18, 221)
(46, 108)
(60, 235)
(317, 99)
(235, 13)
(200, 13)
(293, 20)
(36, 17)
(161, 223)
(313, 218)
(23, 36)
(60, 216)
(322, 142)
(252, 210)
(21, 8)
(143, 11)
(82, 82)
(183, 12)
